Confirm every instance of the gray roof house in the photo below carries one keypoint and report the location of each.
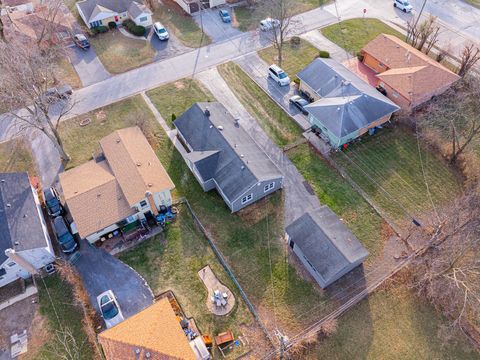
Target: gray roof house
(324, 245)
(100, 12)
(24, 239)
(344, 107)
(222, 156)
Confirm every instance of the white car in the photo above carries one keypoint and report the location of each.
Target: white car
(108, 305)
(161, 32)
(269, 24)
(403, 5)
(278, 75)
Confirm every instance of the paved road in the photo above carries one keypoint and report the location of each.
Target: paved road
(214, 27)
(101, 271)
(87, 65)
(298, 199)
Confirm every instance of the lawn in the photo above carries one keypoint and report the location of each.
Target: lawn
(247, 18)
(295, 58)
(393, 323)
(82, 141)
(171, 261)
(16, 156)
(182, 25)
(63, 317)
(66, 74)
(175, 98)
(353, 34)
(475, 3)
(119, 53)
(390, 160)
(273, 120)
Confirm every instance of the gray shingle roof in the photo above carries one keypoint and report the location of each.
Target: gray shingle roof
(326, 242)
(135, 9)
(19, 218)
(347, 102)
(230, 155)
(119, 6)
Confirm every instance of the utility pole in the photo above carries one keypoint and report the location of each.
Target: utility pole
(418, 17)
(283, 343)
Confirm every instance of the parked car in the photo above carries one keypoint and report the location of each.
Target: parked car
(300, 103)
(403, 5)
(52, 201)
(65, 238)
(58, 93)
(225, 16)
(269, 24)
(278, 75)
(109, 308)
(161, 32)
(81, 41)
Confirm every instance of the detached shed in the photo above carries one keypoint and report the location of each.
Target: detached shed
(325, 246)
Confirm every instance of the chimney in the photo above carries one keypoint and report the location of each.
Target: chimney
(151, 202)
(20, 260)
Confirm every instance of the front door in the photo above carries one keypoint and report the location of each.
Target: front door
(116, 18)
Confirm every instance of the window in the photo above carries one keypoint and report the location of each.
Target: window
(12, 264)
(395, 94)
(269, 187)
(247, 198)
(130, 219)
(143, 203)
(143, 19)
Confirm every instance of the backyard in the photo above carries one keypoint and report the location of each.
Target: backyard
(119, 53)
(16, 155)
(353, 34)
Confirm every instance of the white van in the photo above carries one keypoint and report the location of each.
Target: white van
(278, 75)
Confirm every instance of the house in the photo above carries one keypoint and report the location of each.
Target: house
(222, 156)
(408, 76)
(324, 245)
(25, 246)
(193, 6)
(344, 106)
(119, 188)
(101, 12)
(153, 333)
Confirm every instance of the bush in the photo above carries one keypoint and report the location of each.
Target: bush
(296, 81)
(360, 56)
(133, 28)
(295, 41)
(323, 54)
(174, 117)
(112, 25)
(99, 30)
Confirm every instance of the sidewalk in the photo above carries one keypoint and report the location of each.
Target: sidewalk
(29, 291)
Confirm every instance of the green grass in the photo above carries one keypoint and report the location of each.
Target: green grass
(182, 25)
(16, 156)
(338, 195)
(390, 159)
(119, 53)
(273, 120)
(62, 304)
(475, 3)
(393, 324)
(353, 34)
(295, 58)
(175, 98)
(171, 261)
(81, 142)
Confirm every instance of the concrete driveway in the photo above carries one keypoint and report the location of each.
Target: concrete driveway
(87, 65)
(167, 49)
(214, 26)
(101, 271)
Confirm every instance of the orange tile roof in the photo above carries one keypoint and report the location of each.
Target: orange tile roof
(94, 197)
(135, 164)
(410, 72)
(155, 330)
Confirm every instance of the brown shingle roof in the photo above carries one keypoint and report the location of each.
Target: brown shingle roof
(134, 164)
(155, 330)
(410, 72)
(94, 197)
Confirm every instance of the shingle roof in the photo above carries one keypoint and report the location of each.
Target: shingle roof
(94, 197)
(240, 162)
(19, 217)
(135, 9)
(410, 72)
(347, 102)
(134, 164)
(88, 7)
(155, 330)
(326, 242)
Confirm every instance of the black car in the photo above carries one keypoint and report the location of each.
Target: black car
(300, 103)
(52, 201)
(64, 236)
(81, 41)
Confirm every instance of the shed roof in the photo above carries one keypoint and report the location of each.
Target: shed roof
(223, 150)
(326, 242)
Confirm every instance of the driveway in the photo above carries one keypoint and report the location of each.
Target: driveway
(257, 69)
(214, 27)
(87, 65)
(101, 271)
(167, 49)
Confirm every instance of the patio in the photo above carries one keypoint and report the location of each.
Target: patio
(220, 300)
(124, 241)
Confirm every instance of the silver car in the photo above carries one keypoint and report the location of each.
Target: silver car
(269, 24)
(109, 308)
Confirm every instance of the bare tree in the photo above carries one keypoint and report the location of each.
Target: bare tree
(50, 13)
(469, 57)
(27, 72)
(423, 36)
(281, 11)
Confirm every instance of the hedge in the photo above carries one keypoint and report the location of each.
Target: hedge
(133, 28)
(99, 29)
